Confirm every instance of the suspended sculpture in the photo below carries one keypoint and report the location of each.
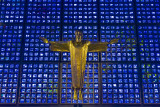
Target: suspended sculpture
(78, 52)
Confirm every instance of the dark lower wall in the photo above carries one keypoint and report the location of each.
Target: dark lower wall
(46, 105)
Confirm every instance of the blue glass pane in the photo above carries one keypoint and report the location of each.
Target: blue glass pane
(120, 84)
(116, 11)
(148, 11)
(35, 49)
(10, 42)
(90, 90)
(8, 83)
(44, 11)
(149, 43)
(39, 84)
(12, 11)
(151, 83)
(80, 11)
(125, 49)
(89, 33)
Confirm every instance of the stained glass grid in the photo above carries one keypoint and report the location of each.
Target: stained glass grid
(44, 11)
(10, 42)
(149, 43)
(90, 90)
(8, 83)
(120, 84)
(125, 49)
(35, 49)
(12, 11)
(150, 82)
(148, 11)
(39, 84)
(80, 11)
(89, 33)
(116, 11)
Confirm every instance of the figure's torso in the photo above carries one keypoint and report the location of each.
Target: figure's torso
(78, 54)
(78, 51)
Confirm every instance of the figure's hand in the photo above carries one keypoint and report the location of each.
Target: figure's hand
(44, 39)
(114, 41)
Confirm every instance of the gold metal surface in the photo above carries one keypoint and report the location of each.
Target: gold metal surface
(78, 52)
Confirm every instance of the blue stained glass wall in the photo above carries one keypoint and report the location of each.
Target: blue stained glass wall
(125, 49)
(148, 11)
(43, 11)
(111, 77)
(89, 32)
(149, 43)
(90, 90)
(116, 11)
(120, 84)
(80, 11)
(8, 83)
(35, 49)
(39, 84)
(12, 11)
(10, 42)
(150, 79)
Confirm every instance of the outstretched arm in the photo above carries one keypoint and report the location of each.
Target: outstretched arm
(100, 46)
(113, 41)
(57, 46)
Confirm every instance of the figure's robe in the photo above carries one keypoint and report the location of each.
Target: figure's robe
(78, 55)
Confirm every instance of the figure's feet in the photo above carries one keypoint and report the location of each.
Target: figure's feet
(75, 94)
(80, 95)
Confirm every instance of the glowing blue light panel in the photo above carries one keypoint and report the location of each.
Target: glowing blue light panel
(44, 11)
(12, 11)
(35, 49)
(8, 83)
(89, 33)
(125, 49)
(116, 11)
(80, 11)
(149, 43)
(151, 83)
(39, 84)
(90, 90)
(10, 42)
(148, 11)
(120, 84)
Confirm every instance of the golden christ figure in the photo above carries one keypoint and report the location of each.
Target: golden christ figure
(78, 52)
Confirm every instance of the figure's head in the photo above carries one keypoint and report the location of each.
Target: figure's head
(79, 35)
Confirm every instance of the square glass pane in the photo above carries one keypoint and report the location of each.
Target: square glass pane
(12, 11)
(8, 83)
(125, 49)
(35, 49)
(120, 84)
(80, 11)
(151, 83)
(149, 43)
(10, 42)
(116, 11)
(148, 11)
(39, 84)
(44, 11)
